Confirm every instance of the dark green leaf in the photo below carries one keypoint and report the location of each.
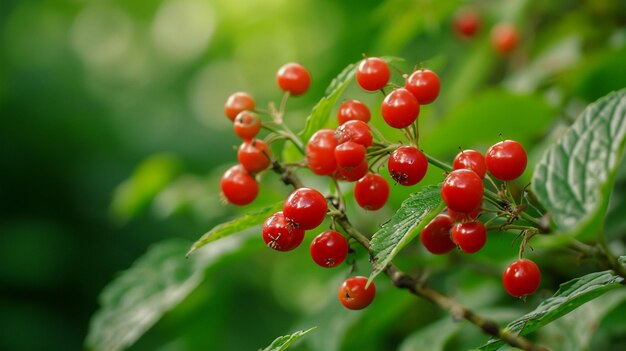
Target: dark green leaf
(282, 342)
(570, 296)
(235, 226)
(156, 283)
(575, 177)
(575, 331)
(413, 215)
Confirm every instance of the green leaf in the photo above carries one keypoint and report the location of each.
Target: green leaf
(136, 193)
(570, 296)
(282, 342)
(574, 179)
(155, 284)
(575, 331)
(235, 226)
(411, 217)
(435, 336)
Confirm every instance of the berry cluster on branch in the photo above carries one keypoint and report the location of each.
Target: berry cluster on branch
(356, 152)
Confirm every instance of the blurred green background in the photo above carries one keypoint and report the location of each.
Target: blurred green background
(112, 138)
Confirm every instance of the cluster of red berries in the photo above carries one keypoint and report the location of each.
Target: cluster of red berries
(504, 36)
(342, 154)
(462, 191)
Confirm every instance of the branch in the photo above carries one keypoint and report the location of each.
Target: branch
(404, 281)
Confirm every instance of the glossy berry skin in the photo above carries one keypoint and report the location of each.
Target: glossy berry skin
(462, 190)
(407, 165)
(238, 186)
(280, 234)
(353, 110)
(424, 85)
(355, 130)
(504, 38)
(320, 152)
(470, 237)
(352, 174)
(464, 217)
(466, 22)
(238, 102)
(306, 208)
(372, 74)
(521, 278)
(472, 160)
(506, 160)
(329, 249)
(294, 78)
(371, 192)
(400, 108)
(436, 235)
(349, 154)
(354, 296)
(247, 125)
(254, 155)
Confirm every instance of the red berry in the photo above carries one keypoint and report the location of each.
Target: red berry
(407, 165)
(238, 186)
(400, 108)
(353, 109)
(472, 160)
(371, 192)
(306, 208)
(355, 130)
(424, 85)
(521, 278)
(354, 296)
(349, 154)
(254, 155)
(280, 234)
(470, 237)
(293, 78)
(466, 22)
(462, 190)
(352, 174)
(506, 160)
(238, 102)
(372, 74)
(504, 38)
(247, 125)
(320, 152)
(464, 217)
(329, 249)
(436, 235)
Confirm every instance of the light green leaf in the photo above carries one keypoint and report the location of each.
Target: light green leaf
(414, 213)
(570, 296)
(156, 283)
(433, 337)
(282, 342)
(235, 226)
(574, 179)
(136, 193)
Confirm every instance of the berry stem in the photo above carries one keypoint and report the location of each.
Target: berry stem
(618, 268)
(437, 163)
